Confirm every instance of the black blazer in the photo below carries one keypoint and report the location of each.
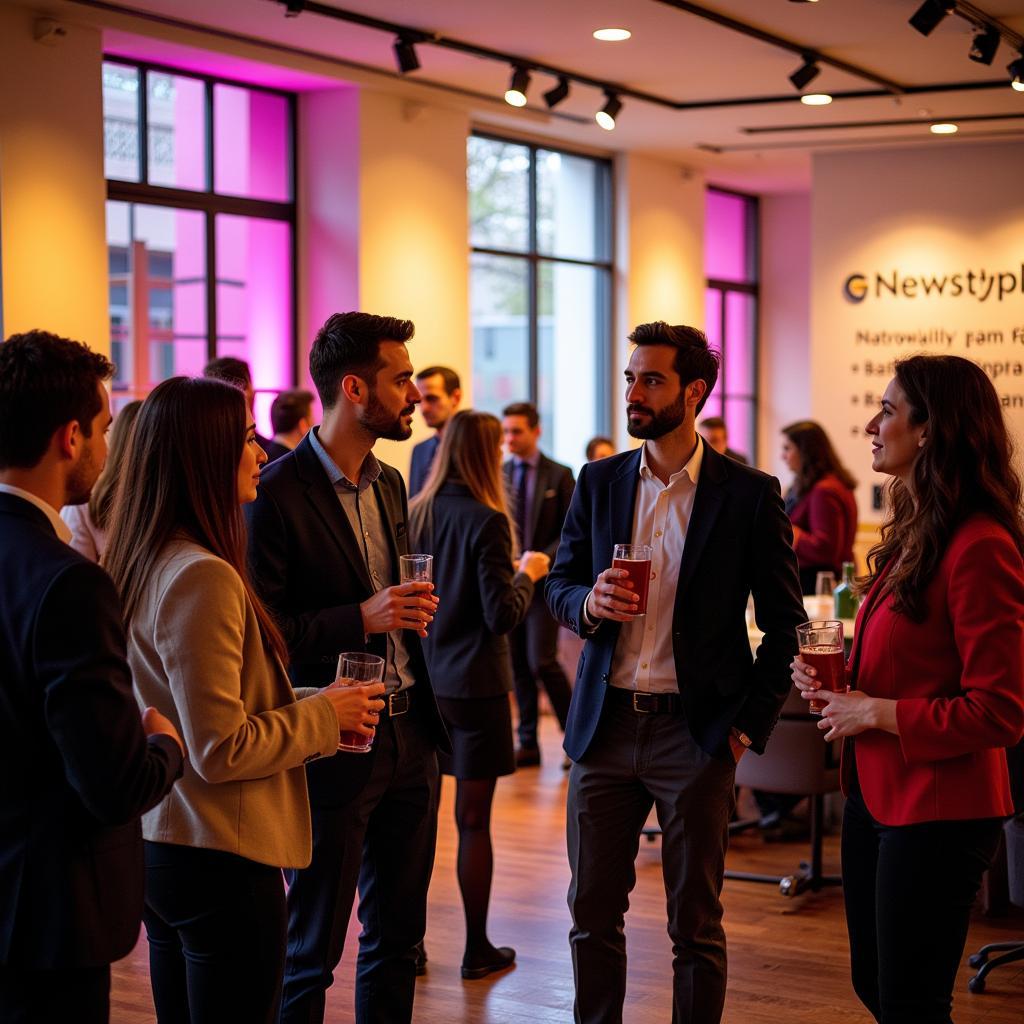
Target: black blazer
(309, 568)
(739, 542)
(552, 496)
(76, 769)
(422, 459)
(482, 597)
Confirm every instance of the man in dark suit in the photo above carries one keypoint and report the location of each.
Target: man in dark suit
(441, 390)
(665, 703)
(291, 416)
(716, 433)
(78, 765)
(236, 371)
(325, 537)
(539, 491)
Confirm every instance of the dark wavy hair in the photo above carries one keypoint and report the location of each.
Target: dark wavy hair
(180, 474)
(694, 360)
(817, 457)
(964, 468)
(102, 497)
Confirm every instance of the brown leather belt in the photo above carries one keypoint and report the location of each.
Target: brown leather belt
(644, 703)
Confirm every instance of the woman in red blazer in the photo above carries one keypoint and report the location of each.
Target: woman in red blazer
(820, 502)
(936, 687)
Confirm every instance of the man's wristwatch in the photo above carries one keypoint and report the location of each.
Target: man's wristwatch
(741, 737)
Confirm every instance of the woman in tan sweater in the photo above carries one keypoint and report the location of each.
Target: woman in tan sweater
(206, 653)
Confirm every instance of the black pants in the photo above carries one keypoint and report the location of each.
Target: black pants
(79, 994)
(216, 929)
(535, 656)
(637, 761)
(381, 841)
(908, 892)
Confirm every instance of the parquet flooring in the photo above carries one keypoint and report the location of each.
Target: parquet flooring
(788, 958)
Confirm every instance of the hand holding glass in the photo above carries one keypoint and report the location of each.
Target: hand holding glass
(635, 559)
(821, 647)
(357, 669)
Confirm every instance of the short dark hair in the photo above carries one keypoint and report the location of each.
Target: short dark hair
(451, 378)
(45, 382)
(527, 409)
(593, 443)
(693, 360)
(288, 408)
(713, 423)
(350, 343)
(230, 369)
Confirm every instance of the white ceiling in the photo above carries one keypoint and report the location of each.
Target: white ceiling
(673, 54)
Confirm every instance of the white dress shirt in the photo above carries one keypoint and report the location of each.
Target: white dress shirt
(61, 528)
(644, 658)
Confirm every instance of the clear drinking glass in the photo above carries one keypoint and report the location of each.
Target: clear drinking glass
(357, 669)
(416, 568)
(636, 560)
(821, 646)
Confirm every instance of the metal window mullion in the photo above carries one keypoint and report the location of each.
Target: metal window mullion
(533, 332)
(208, 103)
(211, 285)
(143, 112)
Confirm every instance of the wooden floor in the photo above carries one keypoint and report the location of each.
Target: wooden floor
(787, 958)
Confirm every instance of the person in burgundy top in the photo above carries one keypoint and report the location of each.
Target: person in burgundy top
(820, 502)
(936, 686)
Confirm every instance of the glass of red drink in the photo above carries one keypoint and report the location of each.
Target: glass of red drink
(357, 669)
(821, 647)
(636, 560)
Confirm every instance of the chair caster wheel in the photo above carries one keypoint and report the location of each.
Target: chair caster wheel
(977, 959)
(788, 886)
(976, 984)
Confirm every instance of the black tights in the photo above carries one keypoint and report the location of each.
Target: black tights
(473, 799)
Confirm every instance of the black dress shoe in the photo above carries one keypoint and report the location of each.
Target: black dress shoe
(504, 957)
(421, 960)
(527, 757)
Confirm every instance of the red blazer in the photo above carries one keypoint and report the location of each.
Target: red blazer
(958, 677)
(825, 524)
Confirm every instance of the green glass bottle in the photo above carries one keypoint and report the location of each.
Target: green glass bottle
(847, 601)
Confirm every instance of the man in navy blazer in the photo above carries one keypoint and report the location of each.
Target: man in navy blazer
(666, 703)
(78, 765)
(441, 391)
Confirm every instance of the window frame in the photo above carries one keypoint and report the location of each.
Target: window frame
(207, 201)
(751, 287)
(534, 259)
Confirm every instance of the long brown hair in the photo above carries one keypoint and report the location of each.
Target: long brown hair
(102, 497)
(469, 453)
(964, 467)
(817, 457)
(180, 475)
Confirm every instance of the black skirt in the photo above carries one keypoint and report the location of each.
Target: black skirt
(481, 734)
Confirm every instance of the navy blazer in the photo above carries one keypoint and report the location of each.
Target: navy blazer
(551, 497)
(738, 542)
(482, 597)
(422, 459)
(76, 768)
(309, 568)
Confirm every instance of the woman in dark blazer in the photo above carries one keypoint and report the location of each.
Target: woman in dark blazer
(936, 686)
(820, 503)
(461, 518)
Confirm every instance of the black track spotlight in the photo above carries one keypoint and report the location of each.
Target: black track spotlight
(927, 17)
(985, 44)
(1016, 69)
(515, 94)
(606, 116)
(293, 8)
(555, 95)
(806, 73)
(405, 54)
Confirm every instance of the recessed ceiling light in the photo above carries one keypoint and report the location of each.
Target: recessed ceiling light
(944, 128)
(816, 99)
(612, 35)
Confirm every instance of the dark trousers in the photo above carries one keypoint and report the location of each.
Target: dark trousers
(634, 762)
(908, 892)
(79, 994)
(535, 656)
(216, 929)
(381, 842)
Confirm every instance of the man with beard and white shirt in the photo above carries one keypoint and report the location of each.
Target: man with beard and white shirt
(666, 703)
(325, 536)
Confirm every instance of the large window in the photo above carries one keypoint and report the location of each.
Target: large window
(730, 257)
(200, 227)
(540, 235)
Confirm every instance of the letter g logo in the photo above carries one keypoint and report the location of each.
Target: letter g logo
(855, 288)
